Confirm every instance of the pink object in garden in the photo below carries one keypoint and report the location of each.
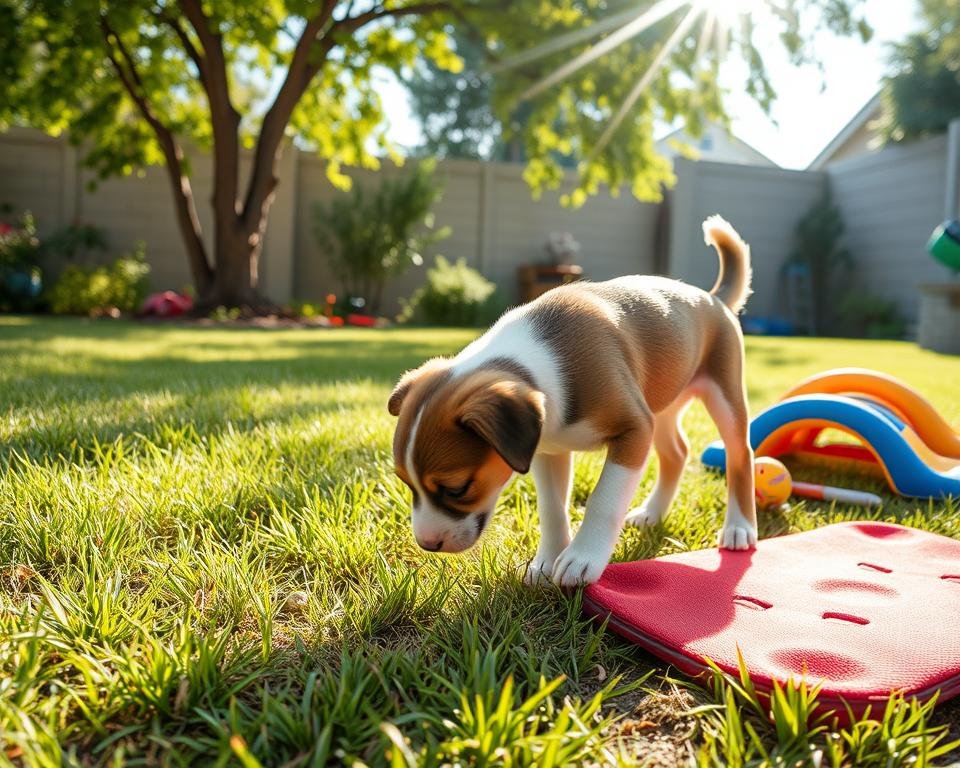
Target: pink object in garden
(166, 304)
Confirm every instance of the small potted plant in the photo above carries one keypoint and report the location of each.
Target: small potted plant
(562, 248)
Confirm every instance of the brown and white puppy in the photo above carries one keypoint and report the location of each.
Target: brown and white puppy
(584, 366)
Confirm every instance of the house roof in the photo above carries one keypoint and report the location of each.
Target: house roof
(680, 133)
(867, 112)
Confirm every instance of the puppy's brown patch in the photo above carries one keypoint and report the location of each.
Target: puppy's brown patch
(413, 389)
(473, 431)
(476, 429)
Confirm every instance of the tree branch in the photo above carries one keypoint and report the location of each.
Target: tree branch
(182, 193)
(353, 23)
(131, 79)
(212, 43)
(304, 65)
(195, 55)
(213, 58)
(299, 74)
(224, 118)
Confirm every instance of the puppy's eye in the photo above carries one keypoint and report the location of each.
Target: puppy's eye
(456, 493)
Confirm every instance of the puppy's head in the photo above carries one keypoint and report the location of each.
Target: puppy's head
(457, 444)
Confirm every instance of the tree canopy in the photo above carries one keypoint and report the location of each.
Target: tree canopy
(141, 81)
(922, 90)
(669, 71)
(454, 109)
(57, 73)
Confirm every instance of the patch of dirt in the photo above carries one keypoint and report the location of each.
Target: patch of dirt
(949, 714)
(652, 729)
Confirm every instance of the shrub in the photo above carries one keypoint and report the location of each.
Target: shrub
(872, 317)
(121, 284)
(223, 314)
(302, 309)
(371, 237)
(454, 294)
(817, 245)
(75, 243)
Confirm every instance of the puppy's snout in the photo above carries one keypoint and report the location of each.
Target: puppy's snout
(431, 545)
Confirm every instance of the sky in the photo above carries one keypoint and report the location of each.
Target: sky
(811, 108)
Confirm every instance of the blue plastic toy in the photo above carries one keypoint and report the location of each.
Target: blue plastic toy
(898, 431)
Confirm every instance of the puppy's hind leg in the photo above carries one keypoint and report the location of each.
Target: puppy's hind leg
(726, 402)
(672, 447)
(553, 477)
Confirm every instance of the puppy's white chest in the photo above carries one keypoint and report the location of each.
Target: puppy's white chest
(561, 438)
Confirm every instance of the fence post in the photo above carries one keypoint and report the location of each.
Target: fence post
(681, 212)
(487, 216)
(952, 199)
(69, 191)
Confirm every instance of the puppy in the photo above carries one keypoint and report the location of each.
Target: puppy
(586, 365)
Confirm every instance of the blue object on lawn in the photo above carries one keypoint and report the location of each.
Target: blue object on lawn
(910, 466)
(766, 326)
(23, 284)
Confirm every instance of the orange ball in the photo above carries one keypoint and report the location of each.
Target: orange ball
(772, 482)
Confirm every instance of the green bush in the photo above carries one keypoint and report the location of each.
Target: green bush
(76, 243)
(223, 314)
(87, 290)
(303, 309)
(871, 317)
(371, 236)
(818, 246)
(454, 294)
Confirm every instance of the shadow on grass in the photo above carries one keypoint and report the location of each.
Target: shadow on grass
(91, 392)
(529, 632)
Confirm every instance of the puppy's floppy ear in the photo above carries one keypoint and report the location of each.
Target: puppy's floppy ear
(400, 391)
(509, 416)
(426, 371)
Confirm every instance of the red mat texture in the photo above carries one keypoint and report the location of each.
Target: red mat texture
(867, 608)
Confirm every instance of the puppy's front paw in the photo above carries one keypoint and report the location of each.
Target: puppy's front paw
(643, 516)
(579, 565)
(539, 570)
(740, 535)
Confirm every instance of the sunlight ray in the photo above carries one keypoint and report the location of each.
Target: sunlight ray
(659, 11)
(729, 11)
(723, 39)
(567, 40)
(665, 50)
(709, 21)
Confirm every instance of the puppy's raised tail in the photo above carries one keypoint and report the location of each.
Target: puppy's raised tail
(733, 282)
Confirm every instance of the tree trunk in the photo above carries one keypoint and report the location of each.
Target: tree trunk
(233, 279)
(236, 278)
(189, 223)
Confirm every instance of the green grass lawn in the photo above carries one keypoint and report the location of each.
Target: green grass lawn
(205, 559)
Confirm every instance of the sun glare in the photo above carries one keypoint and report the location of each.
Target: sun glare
(729, 11)
(715, 17)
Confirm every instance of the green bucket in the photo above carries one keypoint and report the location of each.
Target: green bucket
(944, 244)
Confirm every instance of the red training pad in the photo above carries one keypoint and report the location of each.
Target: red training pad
(865, 608)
